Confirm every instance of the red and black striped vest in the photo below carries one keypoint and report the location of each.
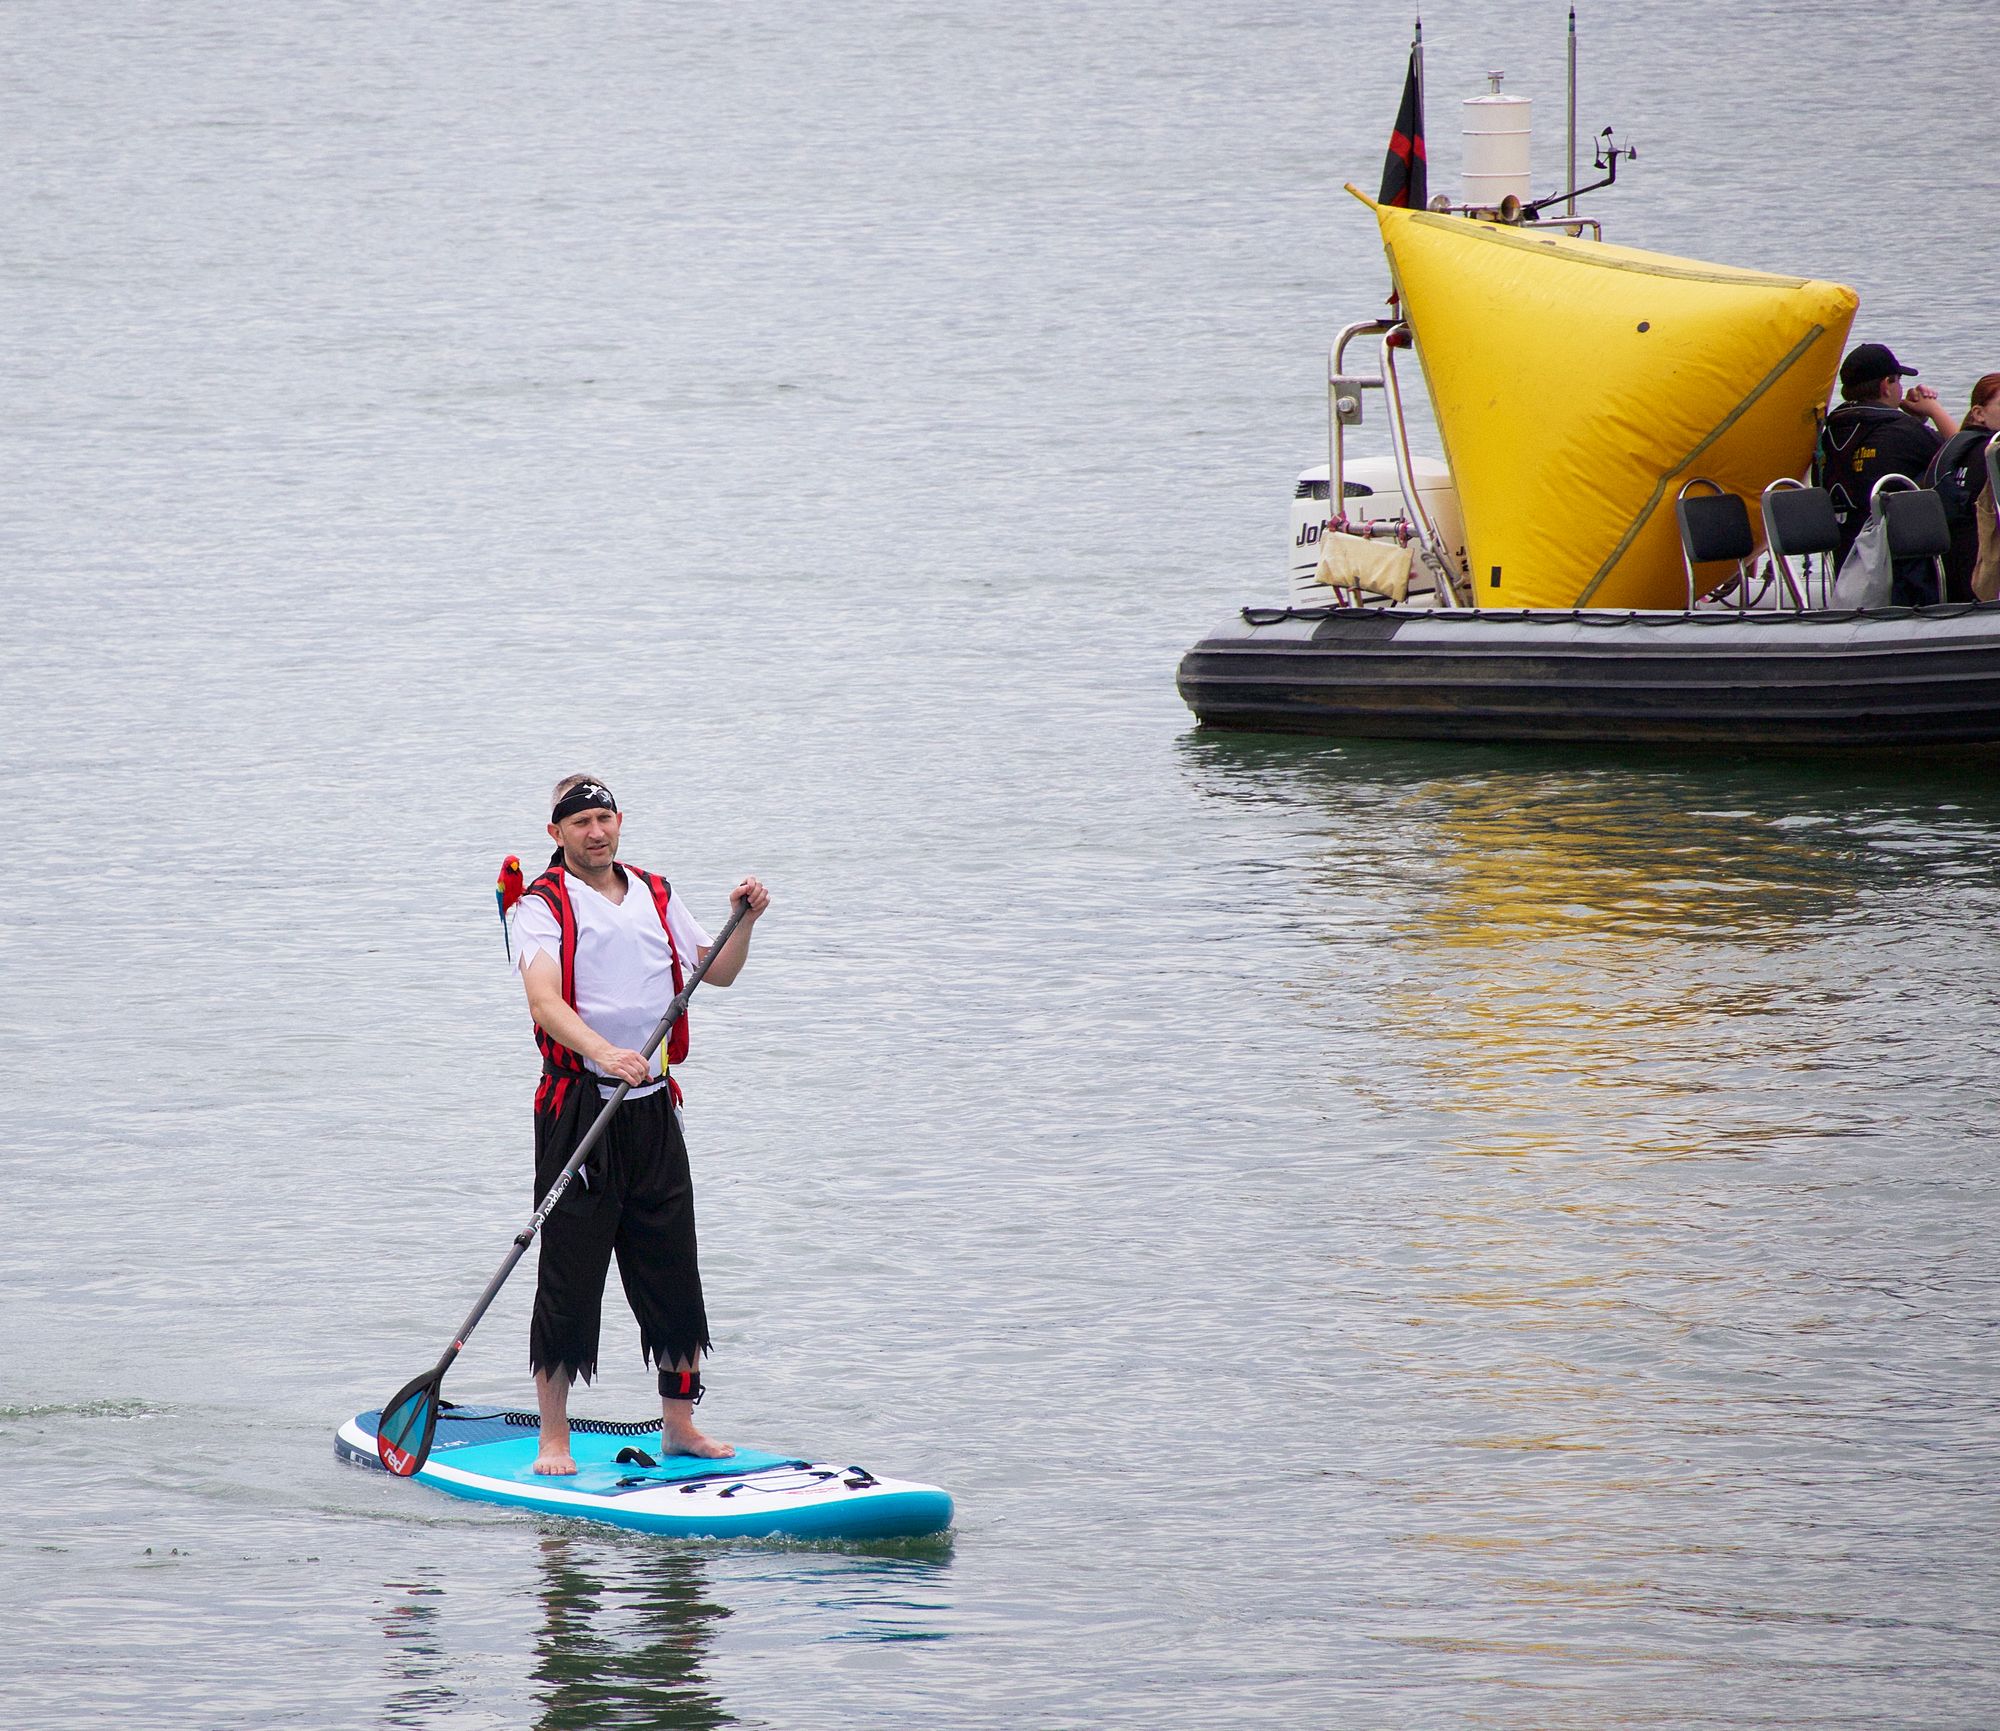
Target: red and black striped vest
(553, 888)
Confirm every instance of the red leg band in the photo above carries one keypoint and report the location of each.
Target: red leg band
(681, 1384)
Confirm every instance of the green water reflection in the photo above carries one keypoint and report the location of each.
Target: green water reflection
(621, 1632)
(624, 1649)
(619, 1638)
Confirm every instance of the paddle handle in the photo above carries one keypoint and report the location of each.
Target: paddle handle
(595, 1134)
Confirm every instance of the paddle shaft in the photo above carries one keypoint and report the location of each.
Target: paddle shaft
(595, 1134)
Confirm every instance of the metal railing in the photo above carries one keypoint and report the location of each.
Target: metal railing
(1430, 543)
(1344, 408)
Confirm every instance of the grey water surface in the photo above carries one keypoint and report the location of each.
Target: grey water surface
(1371, 1235)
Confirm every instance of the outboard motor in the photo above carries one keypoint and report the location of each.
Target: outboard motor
(1374, 493)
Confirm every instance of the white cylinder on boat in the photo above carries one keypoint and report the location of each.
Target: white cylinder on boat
(1497, 146)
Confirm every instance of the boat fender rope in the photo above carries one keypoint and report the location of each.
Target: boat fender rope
(1601, 618)
(681, 1385)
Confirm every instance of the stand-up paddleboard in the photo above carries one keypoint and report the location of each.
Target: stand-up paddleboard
(622, 1479)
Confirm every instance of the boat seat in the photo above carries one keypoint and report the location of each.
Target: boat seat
(1715, 527)
(1799, 522)
(1917, 526)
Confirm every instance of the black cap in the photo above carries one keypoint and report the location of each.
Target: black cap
(1869, 363)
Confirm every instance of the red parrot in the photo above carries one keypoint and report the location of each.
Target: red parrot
(506, 892)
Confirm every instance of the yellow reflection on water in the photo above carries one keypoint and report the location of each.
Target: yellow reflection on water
(1607, 1016)
(1586, 939)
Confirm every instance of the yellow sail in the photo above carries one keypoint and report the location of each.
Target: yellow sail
(1578, 386)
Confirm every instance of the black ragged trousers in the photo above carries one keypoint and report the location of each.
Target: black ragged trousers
(634, 1199)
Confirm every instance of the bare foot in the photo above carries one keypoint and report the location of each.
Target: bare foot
(686, 1440)
(552, 1457)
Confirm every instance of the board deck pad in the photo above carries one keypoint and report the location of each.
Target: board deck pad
(487, 1454)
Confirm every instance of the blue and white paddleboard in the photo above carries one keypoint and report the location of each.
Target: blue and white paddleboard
(487, 1454)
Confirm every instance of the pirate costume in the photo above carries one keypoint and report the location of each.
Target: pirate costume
(621, 962)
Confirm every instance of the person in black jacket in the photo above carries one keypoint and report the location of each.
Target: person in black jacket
(1878, 429)
(1958, 472)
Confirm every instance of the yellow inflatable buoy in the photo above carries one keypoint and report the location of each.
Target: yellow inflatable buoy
(1578, 386)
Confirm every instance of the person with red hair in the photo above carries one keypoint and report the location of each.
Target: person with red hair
(1958, 472)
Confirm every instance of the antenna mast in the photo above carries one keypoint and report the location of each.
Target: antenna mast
(1570, 209)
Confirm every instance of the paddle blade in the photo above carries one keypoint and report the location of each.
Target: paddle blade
(409, 1421)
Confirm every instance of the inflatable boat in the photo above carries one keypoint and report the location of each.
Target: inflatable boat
(1559, 575)
(1810, 680)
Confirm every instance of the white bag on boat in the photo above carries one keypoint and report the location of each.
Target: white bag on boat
(1352, 562)
(1867, 573)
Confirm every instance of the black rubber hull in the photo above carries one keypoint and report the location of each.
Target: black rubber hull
(1922, 677)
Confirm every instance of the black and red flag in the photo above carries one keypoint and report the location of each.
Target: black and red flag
(1405, 181)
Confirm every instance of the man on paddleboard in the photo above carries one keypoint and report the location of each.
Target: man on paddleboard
(602, 948)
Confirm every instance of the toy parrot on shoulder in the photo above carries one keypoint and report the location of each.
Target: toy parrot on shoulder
(506, 892)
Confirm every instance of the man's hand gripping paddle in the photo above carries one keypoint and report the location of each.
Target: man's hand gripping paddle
(409, 1418)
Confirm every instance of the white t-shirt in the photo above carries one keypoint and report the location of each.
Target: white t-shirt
(624, 974)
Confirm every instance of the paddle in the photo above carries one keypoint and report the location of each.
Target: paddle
(409, 1417)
